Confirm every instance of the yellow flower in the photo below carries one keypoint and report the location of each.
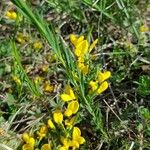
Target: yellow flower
(17, 80)
(46, 147)
(103, 76)
(11, 15)
(77, 139)
(50, 124)
(63, 148)
(68, 95)
(27, 147)
(58, 117)
(144, 28)
(25, 137)
(37, 45)
(66, 143)
(102, 87)
(83, 68)
(72, 108)
(47, 87)
(30, 142)
(93, 85)
(82, 48)
(70, 122)
(74, 40)
(81, 59)
(42, 133)
(93, 45)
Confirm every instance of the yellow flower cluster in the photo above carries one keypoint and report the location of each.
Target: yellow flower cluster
(72, 108)
(100, 84)
(30, 141)
(82, 47)
(11, 15)
(61, 120)
(73, 105)
(65, 120)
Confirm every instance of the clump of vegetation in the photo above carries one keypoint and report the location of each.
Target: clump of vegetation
(74, 75)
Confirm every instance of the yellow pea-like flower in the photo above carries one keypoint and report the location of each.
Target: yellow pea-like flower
(102, 76)
(82, 48)
(77, 139)
(63, 148)
(27, 147)
(25, 137)
(79, 40)
(77, 135)
(75, 41)
(46, 147)
(42, 133)
(30, 142)
(83, 68)
(72, 108)
(102, 87)
(68, 94)
(11, 15)
(70, 122)
(58, 117)
(93, 85)
(68, 113)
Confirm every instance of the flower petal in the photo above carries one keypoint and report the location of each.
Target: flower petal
(81, 48)
(103, 76)
(25, 137)
(27, 147)
(68, 113)
(58, 117)
(76, 133)
(66, 97)
(73, 106)
(46, 147)
(102, 87)
(50, 124)
(81, 140)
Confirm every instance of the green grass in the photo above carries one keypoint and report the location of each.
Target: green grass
(117, 119)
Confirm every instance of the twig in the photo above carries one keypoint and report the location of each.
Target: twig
(112, 111)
